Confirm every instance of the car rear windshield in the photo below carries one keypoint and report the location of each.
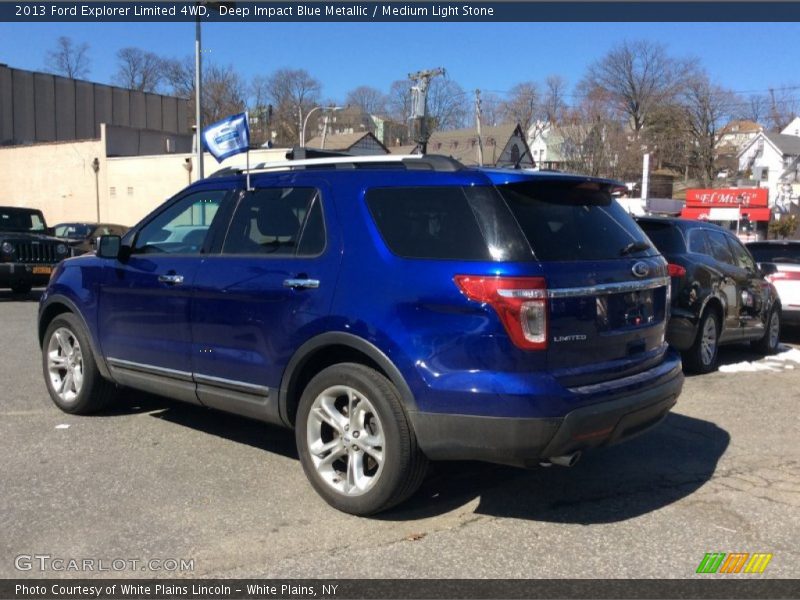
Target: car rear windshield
(447, 222)
(574, 220)
(20, 219)
(665, 236)
(778, 253)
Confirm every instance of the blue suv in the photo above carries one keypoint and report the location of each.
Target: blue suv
(392, 310)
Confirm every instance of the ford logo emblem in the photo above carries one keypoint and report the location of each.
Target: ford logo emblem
(641, 269)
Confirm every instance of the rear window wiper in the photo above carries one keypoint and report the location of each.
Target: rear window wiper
(637, 246)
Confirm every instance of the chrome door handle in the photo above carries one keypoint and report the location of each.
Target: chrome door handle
(171, 279)
(301, 283)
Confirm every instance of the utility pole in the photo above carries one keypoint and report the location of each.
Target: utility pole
(478, 126)
(419, 104)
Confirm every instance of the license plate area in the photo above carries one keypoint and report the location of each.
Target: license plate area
(628, 310)
(42, 270)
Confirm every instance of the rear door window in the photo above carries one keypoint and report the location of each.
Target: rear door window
(574, 220)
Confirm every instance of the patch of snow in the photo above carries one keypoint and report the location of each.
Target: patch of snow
(778, 362)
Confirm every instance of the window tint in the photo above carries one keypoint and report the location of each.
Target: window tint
(742, 256)
(567, 220)
(181, 228)
(698, 242)
(665, 236)
(719, 247)
(779, 253)
(20, 219)
(427, 222)
(278, 222)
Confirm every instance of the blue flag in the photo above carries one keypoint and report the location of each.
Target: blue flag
(227, 137)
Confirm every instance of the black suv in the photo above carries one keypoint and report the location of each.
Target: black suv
(719, 295)
(27, 253)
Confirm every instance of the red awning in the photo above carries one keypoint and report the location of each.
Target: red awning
(756, 214)
(702, 214)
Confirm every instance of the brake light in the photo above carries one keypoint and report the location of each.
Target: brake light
(676, 270)
(520, 302)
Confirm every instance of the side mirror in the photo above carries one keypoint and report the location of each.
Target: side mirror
(109, 246)
(768, 269)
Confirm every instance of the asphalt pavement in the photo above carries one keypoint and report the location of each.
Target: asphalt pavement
(155, 480)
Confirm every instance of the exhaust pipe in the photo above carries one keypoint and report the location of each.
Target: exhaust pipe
(567, 460)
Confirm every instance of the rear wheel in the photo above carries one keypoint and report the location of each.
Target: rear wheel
(70, 371)
(702, 356)
(772, 336)
(355, 442)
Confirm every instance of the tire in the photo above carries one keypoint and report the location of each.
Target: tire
(772, 336)
(70, 371)
(702, 356)
(21, 288)
(355, 441)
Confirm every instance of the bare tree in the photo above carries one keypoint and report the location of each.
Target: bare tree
(491, 109)
(224, 90)
(398, 101)
(68, 59)
(370, 100)
(706, 106)
(291, 92)
(449, 106)
(553, 104)
(754, 108)
(783, 107)
(636, 77)
(139, 69)
(522, 105)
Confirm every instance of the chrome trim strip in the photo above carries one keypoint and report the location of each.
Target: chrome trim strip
(232, 384)
(661, 370)
(134, 366)
(609, 288)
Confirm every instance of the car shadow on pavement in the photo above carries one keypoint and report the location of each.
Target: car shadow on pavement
(608, 484)
(9, 296)
(231, 427)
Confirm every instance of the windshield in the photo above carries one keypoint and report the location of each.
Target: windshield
(73, 231)
(21, 219)
(569, 220)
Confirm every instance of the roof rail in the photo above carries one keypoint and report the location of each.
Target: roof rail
(430, 162)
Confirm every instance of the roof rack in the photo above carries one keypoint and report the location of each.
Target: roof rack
(428, 162)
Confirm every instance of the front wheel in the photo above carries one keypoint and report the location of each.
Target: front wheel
(70, 371)
(355, 442)
(772, 336)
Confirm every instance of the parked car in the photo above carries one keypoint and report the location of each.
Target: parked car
(391, 310)
(785, 256)
(81, 237)
(27, 253)
(719, 295)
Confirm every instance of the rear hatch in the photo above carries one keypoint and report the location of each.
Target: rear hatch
(607, 287)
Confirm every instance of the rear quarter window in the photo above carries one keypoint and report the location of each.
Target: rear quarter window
(428, 222)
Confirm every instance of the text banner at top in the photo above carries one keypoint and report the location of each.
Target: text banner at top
(394, 11)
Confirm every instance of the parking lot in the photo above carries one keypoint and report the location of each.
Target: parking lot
(154, 479)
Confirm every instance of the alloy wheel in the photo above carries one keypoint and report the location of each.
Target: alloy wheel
(65, 364)
(346, 440)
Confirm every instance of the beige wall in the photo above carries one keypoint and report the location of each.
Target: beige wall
(58, 179)
(55, 177)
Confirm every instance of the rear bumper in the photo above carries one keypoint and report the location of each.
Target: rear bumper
(791, 314)
(18, 273)
(526, 442)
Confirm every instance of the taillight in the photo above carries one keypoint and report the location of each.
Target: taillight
(676, 270)
(520, 302)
